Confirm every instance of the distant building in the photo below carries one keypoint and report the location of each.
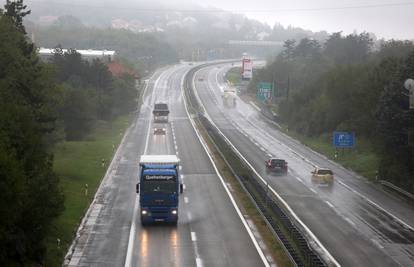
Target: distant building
(104, 55)
(118, 69)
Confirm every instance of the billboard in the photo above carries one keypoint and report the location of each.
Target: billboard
(247, 68)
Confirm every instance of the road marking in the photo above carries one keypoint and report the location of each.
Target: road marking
(350, 221)
(377, 243)
(406, 225)
(262, 149)
(132, 230)
(330, 204)
(206, 149)
(269, 155)
(199, 262)
(313, 190)
(309, 232)
(176, 147)
(193, 237)
(186, 200)
(189, 216)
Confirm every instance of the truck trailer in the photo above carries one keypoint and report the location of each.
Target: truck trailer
(159, 188)
(160, 112)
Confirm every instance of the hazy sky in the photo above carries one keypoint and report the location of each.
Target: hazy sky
(377, 16)
(385, 18)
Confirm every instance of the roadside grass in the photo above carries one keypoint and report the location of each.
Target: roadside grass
(233, 75)
(362, 158)
(246, 206)
(78, 163)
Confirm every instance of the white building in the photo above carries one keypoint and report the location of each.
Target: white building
(104, 55)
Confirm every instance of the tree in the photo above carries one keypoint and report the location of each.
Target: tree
(395, 120)
(289, 50)
(15, 11)
(30, 197)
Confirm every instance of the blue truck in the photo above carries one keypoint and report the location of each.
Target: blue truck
(159, 188)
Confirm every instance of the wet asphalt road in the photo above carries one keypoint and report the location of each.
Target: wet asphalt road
(357, 222)
(210, 231)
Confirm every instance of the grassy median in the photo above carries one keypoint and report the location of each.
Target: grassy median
(79, 163)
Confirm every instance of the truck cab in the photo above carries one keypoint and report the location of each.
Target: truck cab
(159, 188)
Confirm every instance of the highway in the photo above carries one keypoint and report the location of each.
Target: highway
(210, 231)
(357, 222)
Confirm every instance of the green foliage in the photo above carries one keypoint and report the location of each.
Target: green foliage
(30, 196)
(150, 50)
(345, 85)
(89, 93)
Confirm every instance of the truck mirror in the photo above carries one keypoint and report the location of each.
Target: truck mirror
(137, 188)
(181, 188)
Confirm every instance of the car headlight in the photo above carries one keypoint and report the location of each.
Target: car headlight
(144, 212)
(174, 212)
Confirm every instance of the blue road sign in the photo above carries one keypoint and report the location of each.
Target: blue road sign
(343, 139)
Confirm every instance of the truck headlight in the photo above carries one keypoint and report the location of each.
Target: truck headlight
(144, 212)
(174, 212)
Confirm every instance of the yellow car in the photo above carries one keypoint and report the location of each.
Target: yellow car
(322, 176)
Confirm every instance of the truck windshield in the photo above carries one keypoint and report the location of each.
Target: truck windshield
(159, 186)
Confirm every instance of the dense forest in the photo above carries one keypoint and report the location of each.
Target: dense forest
(42, 104)
(346, 83)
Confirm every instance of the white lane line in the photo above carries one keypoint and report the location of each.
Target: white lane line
(377, 243)
(206, 149)
(406, 225)
(313, 190)
(330, 204)
(176, 147)
(193, 237)
(262, 149)
(180, 167)
(309, 232)
(350, 221)
(186, 200)
(182, 177)
(269, 155)
(255, 106)
(199, 262)
(176, 153)
(132, 230)
(189, 216)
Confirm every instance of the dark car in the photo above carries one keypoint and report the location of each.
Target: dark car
(277, 166)
(159, 130)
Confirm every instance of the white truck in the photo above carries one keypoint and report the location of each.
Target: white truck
(229, 97)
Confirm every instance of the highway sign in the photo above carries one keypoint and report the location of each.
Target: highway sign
(264, 92)
(343, 139)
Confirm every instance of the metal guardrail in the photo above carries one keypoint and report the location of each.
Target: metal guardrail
(397, 189)
(278, 220)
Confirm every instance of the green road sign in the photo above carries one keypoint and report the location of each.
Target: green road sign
(264, 92)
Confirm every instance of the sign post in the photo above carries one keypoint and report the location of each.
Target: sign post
(343, 140)
(264, 92)
(409, 85)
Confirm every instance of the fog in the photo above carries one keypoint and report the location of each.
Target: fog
(385, 18)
